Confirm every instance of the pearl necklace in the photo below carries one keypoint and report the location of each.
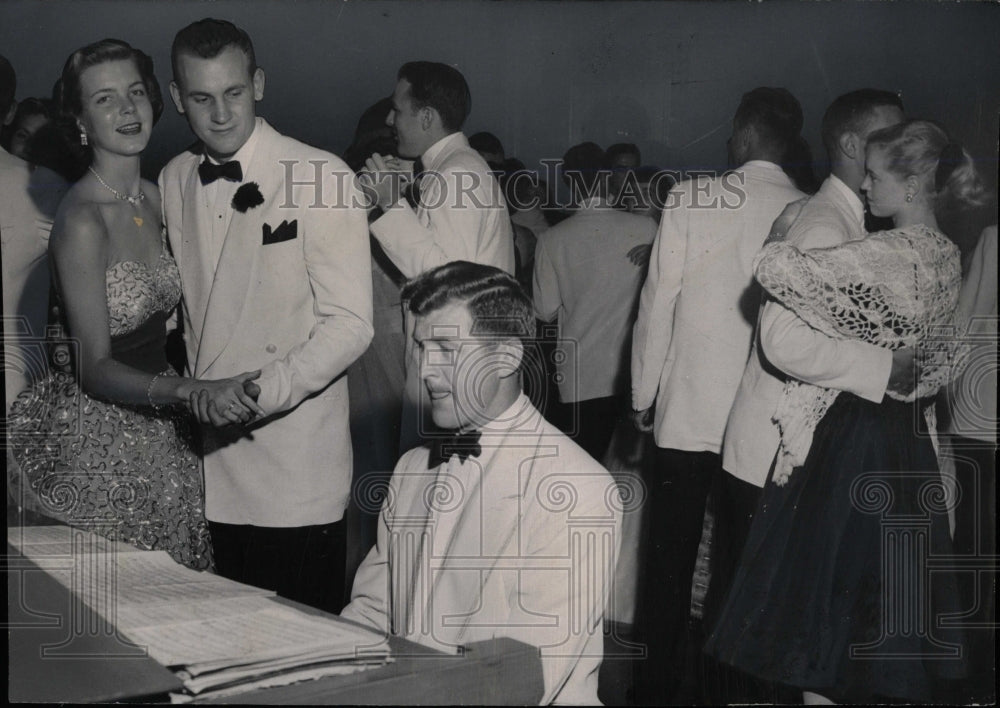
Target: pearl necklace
(133, 200)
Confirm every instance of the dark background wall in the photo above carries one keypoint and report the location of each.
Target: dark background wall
(545, 75)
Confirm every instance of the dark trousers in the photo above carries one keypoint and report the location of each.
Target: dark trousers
(303, 563)
(678, 483)
(591, 423)
(733, 503)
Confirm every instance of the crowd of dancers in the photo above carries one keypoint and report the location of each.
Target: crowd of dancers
(811, 365)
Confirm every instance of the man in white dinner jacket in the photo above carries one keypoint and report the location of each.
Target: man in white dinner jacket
(502, 527)
(689, 347)
(271, 239)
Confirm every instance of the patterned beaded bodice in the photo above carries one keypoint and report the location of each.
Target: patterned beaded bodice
(136, 292)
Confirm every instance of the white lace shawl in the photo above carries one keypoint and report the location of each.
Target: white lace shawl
(893, 289)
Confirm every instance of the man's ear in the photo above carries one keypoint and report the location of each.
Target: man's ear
(175, 94)
(428, 116)
(258, 84)
(850, 144)
(511, 352)
(9, 118)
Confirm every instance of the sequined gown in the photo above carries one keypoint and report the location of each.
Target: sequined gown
(125, 472)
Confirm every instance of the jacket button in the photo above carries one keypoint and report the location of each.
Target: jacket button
(271, 349)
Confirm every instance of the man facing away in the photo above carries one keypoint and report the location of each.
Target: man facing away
(785, 346)
(503, 527)
(271, 239)
(690, 345)
(587, 277)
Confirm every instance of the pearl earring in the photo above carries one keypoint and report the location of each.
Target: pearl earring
(83, 138)
(909, 197)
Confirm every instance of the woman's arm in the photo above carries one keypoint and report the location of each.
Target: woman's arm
(79, 250)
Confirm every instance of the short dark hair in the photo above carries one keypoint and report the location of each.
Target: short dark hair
(486, 142)
(33, 106)
(849, 113)
(775, 115)
(499, 306)
(622, 149)
(583, 166)
(207, 39)
(8, 86)
(440, 87)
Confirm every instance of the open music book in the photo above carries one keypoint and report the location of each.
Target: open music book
(217, 635)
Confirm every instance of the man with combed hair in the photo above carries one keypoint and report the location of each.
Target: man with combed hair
(274, 283)
(502, 527)
(459, 213)
(689, 348)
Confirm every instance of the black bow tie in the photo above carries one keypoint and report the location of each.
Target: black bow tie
(412, 191)
(209, 171)
(462, 444)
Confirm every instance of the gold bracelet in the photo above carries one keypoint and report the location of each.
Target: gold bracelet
(149, 394)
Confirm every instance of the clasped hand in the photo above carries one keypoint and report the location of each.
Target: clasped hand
(227, 401)
(383, 180)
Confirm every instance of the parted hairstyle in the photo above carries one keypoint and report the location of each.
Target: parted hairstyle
(69, 101)
(440, 87)
(922, 147)
(498, 304)
(774, 114)
(207, 38)
(849, 113)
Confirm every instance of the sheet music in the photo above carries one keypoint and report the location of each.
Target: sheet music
(134, 616)
(218, 632)
(256, 636)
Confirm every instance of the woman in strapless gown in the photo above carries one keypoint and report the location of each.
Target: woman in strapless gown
(108, 447)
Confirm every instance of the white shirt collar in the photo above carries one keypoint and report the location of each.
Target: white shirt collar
(857, 207)
(437, 148)
(516, 417)
(767, 164)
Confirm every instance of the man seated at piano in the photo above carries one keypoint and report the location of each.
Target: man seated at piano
(499, 526)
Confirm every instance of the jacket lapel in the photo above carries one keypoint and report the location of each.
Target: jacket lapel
(237, 264)
(194, 252)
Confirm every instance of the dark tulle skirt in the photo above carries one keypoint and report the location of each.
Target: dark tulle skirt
(835, 592)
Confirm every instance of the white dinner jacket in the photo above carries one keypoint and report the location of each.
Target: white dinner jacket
(29, 198)
(785, 345)
(461, 216)
(692, 338)
(298, 308)
(519, 542)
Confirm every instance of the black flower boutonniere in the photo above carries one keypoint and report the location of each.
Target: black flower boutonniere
(247, 196)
